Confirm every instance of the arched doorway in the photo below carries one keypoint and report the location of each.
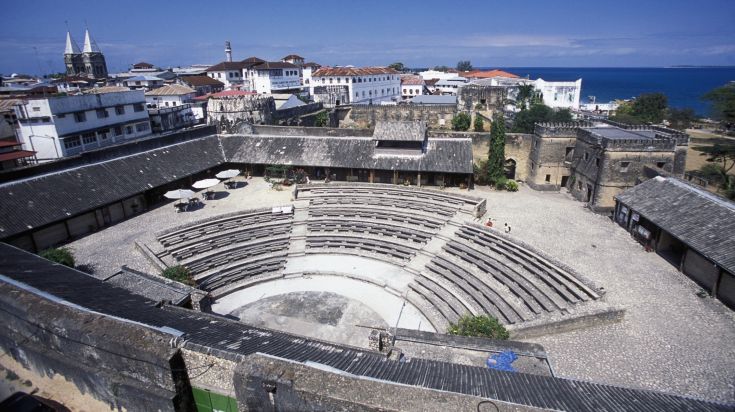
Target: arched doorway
(510, 169)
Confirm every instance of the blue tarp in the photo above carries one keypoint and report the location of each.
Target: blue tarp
(502, 361)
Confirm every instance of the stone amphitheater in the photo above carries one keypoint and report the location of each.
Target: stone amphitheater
(332, 262)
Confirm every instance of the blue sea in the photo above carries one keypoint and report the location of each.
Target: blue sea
(684, 86)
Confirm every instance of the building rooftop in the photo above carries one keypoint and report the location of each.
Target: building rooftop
(615, 133)
(403, 131)
(106, 89)
(293, 57)
(700, 219)
(412, 80)
(274, 65)
(171, 90)
(353, 71)
(488, 74)
(227, 66)
(433, 99)
(196, 81)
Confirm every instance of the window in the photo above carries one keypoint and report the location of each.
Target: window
(330, 80)
(548, 179)
(404, 91)
(80, 117)
(72, 142)
(36, 109)
(142, 127)
(45, 119)
(101, 113)
(586, 156)
(137, 83)
(624, 166)
(89, 138)
(128, 129)
(118, 130)
(138, 107)
(357, 94)
(597, 161)
(660, 165)
(119, 110)
(103, 133)
(579, 185)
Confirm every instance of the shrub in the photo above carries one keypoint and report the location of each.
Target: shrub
(500, 183)
(480, 172)
(62, 256)
(481, 326)
(511, 186)
(179, 274)
(461, 122)
(321, 119)
(479, 124)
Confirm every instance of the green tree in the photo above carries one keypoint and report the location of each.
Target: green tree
(179, 274)
(321, 119)
(538, 113)
(496, 156)
(398, 66)
(527, 96)
(62, 256)
(481, 326)
(464, 65)
(722, 159)
(441, 68)
(681, 119)
(479, 124)
(723, 104)
(461, 122)
(650, 107)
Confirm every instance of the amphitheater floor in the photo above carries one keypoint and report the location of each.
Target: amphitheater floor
(670, 339)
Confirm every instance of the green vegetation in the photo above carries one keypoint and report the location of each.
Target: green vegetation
(511, 186)
(722, 161)
(321, 119)
(479, 124)
(527, 97)
(461, 122)
(681, 119)
(179, 274)
(496, 155)
(538, 113)
(397, 66)
(441, 68)
(653, 108)
(723, 105)
(481, 326)
(62, 256)
(464, 65)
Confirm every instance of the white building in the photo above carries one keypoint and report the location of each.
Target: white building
(306, 71)
(62, 126)
(272, 77)
(352, 85)
(169, 96)
(450, 86)
(435, 74)
(142, 82)
(229, 73)
(560, 95)
(411, 86)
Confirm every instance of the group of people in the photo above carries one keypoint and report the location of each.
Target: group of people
(506, 226)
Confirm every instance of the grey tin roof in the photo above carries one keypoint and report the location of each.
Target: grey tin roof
(403, 131)
(434, 99)
(32, 202)
(451, 155)
(615, 133)
(231, 340)
(698, 218)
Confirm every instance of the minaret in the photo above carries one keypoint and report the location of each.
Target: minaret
(72, 57)
(228, 52)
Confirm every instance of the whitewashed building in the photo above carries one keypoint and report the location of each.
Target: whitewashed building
(560, 95)
(306, 71)
(352, 85)
(411, 86)
(169, 96)
(435, 74)
(229, 73)
(272, 77)
(450, 86)
(142, 82)
(63, 126)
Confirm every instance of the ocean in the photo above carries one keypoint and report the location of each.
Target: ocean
(684, 86)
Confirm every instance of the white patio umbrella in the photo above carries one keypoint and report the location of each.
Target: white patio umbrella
(203, 184)
(227, 174)
(179, 194)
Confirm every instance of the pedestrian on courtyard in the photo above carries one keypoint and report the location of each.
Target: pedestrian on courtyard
(506, 228)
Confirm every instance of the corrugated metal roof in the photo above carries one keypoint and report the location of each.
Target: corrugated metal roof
(352, 71)
(434, 99)
(700, 219)
(403, 131)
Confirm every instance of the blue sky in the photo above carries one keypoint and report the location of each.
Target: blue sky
(491, 33)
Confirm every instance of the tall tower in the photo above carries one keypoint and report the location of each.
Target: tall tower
(94, 61)
(73, 57)
(228, 51)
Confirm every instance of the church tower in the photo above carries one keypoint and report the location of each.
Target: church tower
(73, 58)
(94, 61)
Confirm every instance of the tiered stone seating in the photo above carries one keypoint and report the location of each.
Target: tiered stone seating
(224, 251)
(354, 227)
(351, 212)
(374, 190)
(443, 210)
(379, 247)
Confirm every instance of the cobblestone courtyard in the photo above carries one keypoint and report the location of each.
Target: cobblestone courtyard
(670, 340)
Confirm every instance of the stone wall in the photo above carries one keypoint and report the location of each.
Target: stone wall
(435, 115)
(231, 112)
(298, 116)
(92, 351)
(517, 149)
(490, 98)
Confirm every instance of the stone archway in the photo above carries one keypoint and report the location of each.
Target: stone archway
(510, 168)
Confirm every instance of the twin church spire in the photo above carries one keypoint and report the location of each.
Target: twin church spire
(89, 62)
(90, 46)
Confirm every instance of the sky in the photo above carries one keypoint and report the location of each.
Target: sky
(489, 33)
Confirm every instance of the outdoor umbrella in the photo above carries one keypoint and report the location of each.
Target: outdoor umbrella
(227, 174)
(179, 194)
(203, 184)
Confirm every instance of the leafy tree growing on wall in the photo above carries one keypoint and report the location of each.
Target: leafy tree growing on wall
(538, 113)
(496, 156)
(646, 108)
(461, 122)
(61, 256)
(527, 96)
(321, 119)
(723, 104)
(479, 124)
(464, 65)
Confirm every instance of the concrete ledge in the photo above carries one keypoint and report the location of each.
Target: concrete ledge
(564, 323)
